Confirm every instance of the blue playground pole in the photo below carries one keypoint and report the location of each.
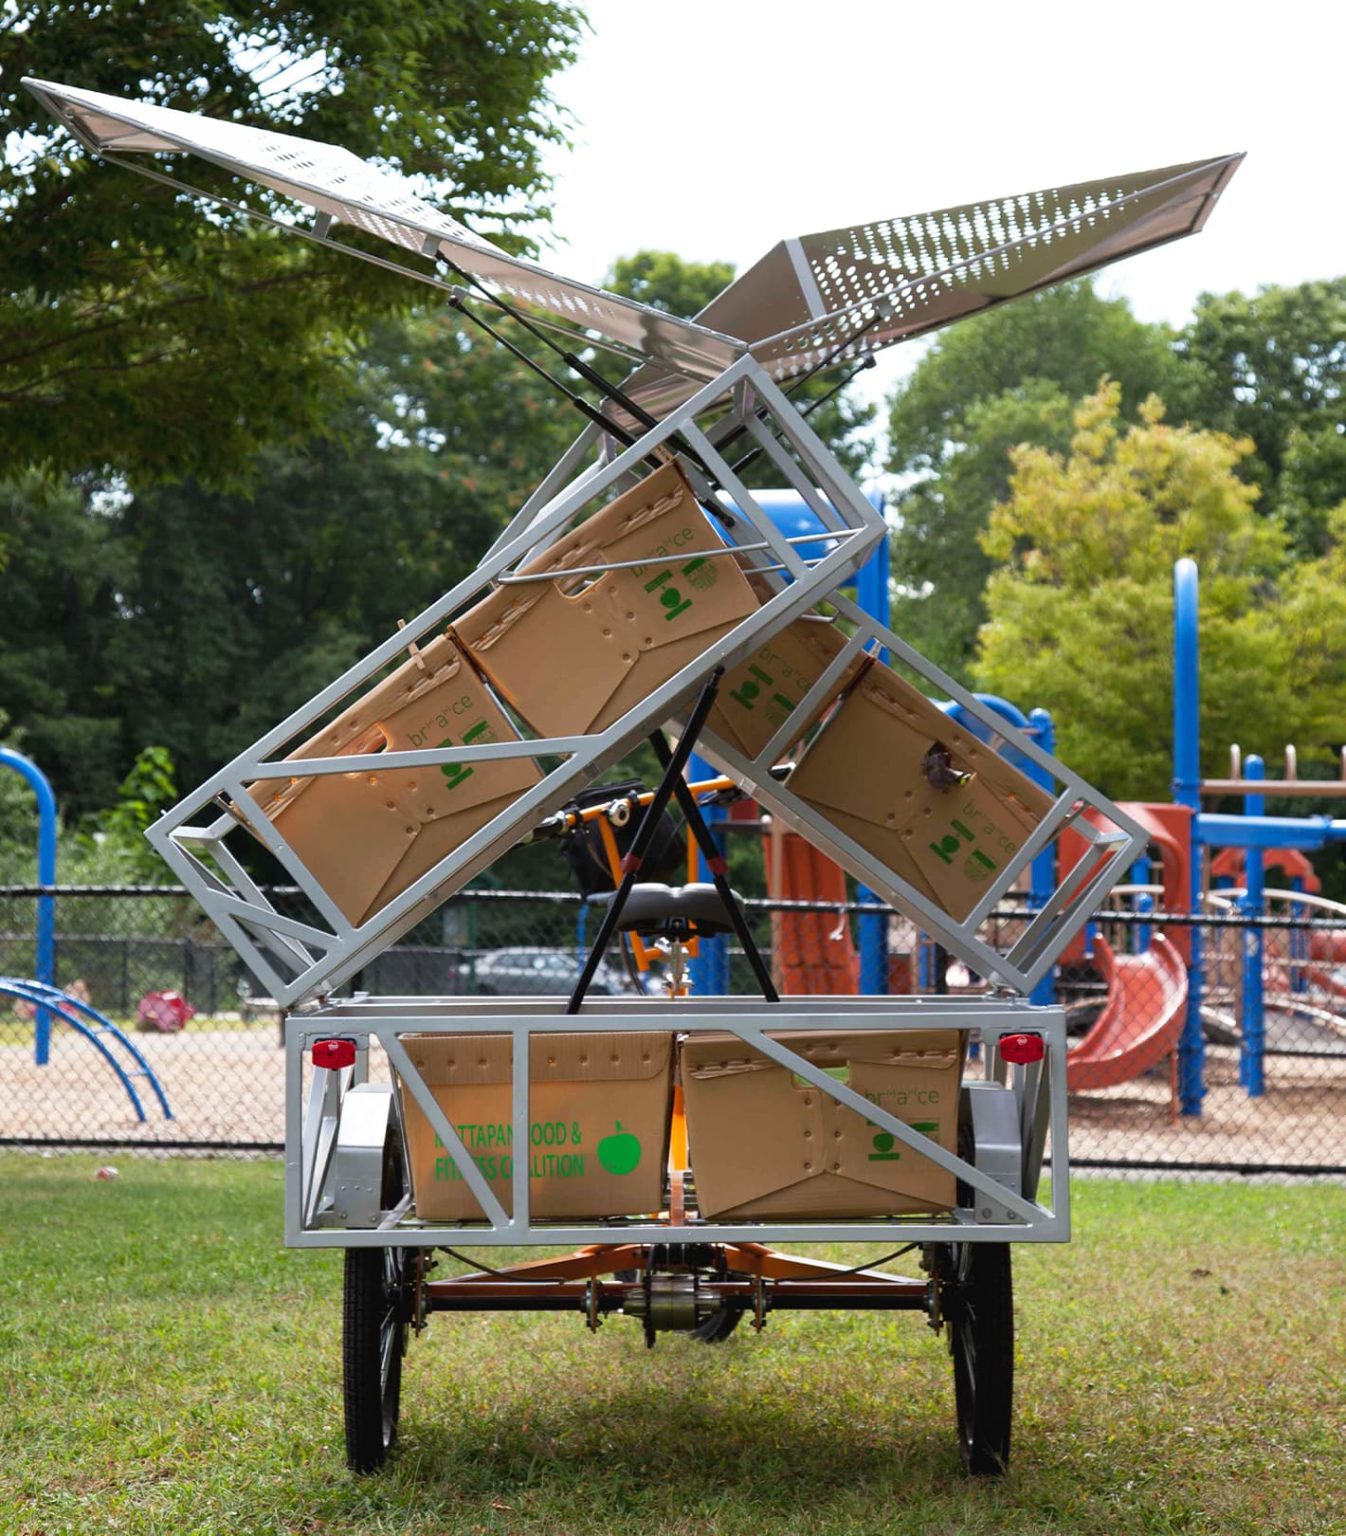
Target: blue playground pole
(1043, 875)
(709, 967)
(44, 964)
(872, 595)
(1308, 833)
(1299, 941)
(1141, 873)
(1253, 1045)
(1187, 791)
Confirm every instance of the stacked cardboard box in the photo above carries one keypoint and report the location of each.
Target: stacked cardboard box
(575, 654)
(922, 794)
(599, 1113)
(767, 1143)
(367, 836)
(756, 698)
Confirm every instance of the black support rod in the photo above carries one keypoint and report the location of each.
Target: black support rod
(589, 412)
(718, 870)
(640, 844)
(586, 371)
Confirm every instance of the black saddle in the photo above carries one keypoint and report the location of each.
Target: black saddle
(674, 912)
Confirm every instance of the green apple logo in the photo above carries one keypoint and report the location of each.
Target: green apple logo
(619, 1154)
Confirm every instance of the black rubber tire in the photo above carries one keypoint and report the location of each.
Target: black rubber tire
(719, 1325)
(374, 1335)
(980, 1314)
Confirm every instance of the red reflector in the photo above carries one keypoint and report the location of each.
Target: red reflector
(333, 1053)
(1022, 1049)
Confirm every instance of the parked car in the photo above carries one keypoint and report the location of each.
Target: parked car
(532, 972)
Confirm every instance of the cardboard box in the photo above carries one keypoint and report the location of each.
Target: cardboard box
(367, 836)
(756, 698)
(575, 654)
(766, 1143)
(600, 1108)
(869, 770)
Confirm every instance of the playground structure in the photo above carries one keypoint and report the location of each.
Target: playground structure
(1178, 986)
(1217, 862)
(485, 715)
(1197, 845)
(116, 1048)
(1164, 999)
(51, 1005)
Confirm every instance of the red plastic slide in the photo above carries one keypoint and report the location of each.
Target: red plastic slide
(1141, 1022)
(815, 953)
(1328, 946)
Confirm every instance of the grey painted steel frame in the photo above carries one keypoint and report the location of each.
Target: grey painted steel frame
(1076, 896)
(319, 959)
(309, 1136)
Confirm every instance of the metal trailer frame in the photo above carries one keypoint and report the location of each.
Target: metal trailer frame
(335, 1136)
(298, 960)
(1079, 808)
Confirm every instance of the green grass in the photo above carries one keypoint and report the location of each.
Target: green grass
(169, 1368)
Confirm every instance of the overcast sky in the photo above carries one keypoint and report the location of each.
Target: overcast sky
(715, 127)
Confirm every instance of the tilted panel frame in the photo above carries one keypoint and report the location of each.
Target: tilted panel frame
(297, 959)
(1109, 853)
(343, 189)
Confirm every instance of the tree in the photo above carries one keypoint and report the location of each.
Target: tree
(1312, 483)
(1080, 609)
(66, 568)
(138, 335)
(198, 617)
(665, 281)
(1271, 368)
(941, 567)
(985, 385)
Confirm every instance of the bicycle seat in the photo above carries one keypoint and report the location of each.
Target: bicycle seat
(674, 911)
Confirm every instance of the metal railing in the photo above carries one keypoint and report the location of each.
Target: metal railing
(1270, 1059)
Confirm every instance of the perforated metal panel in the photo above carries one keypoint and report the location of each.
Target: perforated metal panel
(384, 204)
(817, 299)
(893, 278)
(842, 293)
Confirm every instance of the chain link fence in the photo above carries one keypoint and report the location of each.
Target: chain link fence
(166, 1017)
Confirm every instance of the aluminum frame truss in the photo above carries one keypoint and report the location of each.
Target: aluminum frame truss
(300, 959)
(334, 1146)
(1113, 841)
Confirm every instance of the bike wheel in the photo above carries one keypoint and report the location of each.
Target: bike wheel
(374, 1335)
(979, 1307)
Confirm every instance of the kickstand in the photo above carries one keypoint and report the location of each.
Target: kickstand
(719, 872)
(671, 784)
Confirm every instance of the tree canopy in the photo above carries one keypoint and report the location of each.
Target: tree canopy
(196, 617)
(139, 335)
(999, 379)
(1080, 604)
(1269, 369)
